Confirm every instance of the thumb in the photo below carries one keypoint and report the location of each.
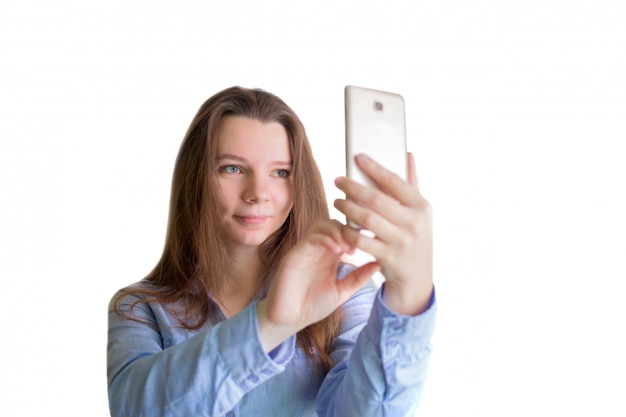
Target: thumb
(356, 279)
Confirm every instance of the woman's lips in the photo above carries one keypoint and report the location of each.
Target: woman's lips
(252, 219)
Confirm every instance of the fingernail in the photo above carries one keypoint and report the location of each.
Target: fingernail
(339, 180)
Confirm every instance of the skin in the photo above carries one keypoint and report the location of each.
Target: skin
(305, 289)
(256, 196)
(401, 220)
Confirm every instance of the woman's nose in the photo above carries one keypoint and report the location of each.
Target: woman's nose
(257, 189)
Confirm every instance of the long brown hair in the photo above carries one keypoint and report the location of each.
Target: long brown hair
(196, 255)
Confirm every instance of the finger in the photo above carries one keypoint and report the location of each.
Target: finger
(365, 195)
(412, 171)
(408, 193)
(356, 279)
(330, 231)
(386, 180)
(373, 210)
(376, 246)
(382, 224)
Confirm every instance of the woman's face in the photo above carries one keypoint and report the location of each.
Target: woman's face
(254, 175)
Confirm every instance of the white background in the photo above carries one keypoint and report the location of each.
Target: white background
(516, 114)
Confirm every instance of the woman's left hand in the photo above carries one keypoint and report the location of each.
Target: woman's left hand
(401, 221)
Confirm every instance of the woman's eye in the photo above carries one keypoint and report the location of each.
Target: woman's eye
(282, 173)
(230, 169)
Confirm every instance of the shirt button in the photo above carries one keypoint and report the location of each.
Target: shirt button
(230, 414)
(167, 343)
(253, 378)
(396, 325)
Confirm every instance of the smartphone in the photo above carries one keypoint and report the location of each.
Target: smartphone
(375, 125)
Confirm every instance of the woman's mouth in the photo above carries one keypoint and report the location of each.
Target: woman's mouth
(252, 219)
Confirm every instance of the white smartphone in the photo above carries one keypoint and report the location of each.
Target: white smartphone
(375, 126)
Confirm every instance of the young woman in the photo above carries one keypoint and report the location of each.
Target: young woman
(252, 309)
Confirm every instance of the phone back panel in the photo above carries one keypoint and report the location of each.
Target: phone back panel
(375, 126)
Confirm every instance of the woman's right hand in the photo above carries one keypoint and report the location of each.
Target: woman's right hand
(305, 288)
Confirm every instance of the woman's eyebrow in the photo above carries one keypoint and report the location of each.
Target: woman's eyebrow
(285, 163)
(241, 159)
(231, 156)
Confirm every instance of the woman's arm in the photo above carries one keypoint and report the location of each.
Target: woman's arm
(380, 368)
(388, 364)
(199, 376)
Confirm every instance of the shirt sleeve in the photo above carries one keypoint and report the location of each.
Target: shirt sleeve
(381, 360)
(201, 376)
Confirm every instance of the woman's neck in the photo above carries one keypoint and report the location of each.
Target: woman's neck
(241, 284)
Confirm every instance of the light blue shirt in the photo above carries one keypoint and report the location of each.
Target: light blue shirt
(380, 362)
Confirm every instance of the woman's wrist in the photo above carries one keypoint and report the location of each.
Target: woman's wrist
(270, 333)
(407, 301)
